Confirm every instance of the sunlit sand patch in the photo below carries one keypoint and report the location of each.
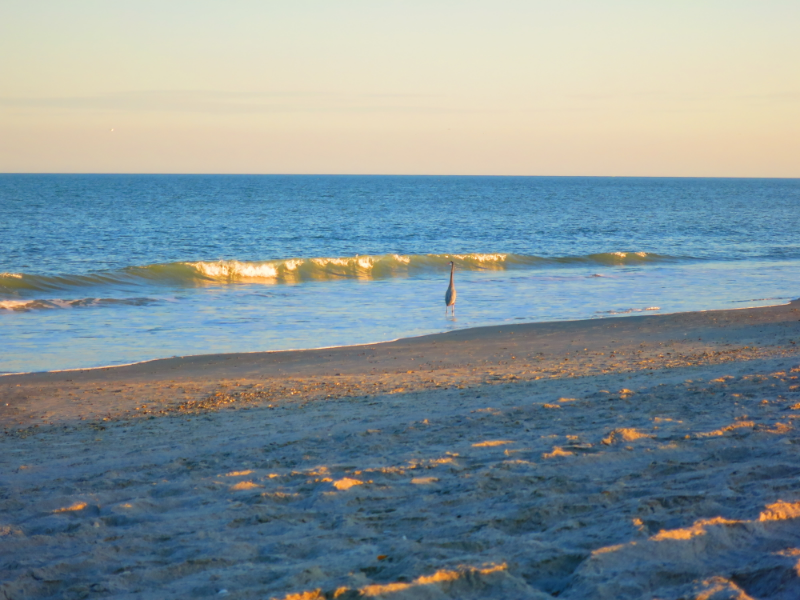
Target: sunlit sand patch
(607, 549)
(778, 428)
(424, 480)
(780, 511)
(625, 434)
(490, 443)
(346, 483)
(427, 586)
(245, 485)
(698, 528)
(724, 430)
(446, 460)
(719, 587)
(557, 451)
(75, 507)
(313, 595)
(238, 473)
(320, 471)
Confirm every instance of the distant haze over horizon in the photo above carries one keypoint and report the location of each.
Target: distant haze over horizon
(583, 88)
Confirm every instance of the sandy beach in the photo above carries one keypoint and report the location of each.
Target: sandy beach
(638, 457)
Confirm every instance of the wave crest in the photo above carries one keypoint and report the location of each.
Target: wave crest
(399, 265)
(366, 266)
(297, 270)
(55, 303)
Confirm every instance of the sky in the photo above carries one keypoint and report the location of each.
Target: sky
(683, 88)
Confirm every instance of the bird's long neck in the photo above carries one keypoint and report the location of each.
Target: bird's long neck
(452, 270)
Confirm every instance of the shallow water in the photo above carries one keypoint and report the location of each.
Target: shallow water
(101, 269)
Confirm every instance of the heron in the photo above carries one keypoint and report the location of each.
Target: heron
(450, 294)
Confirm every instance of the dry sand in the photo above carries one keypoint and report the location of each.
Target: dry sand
(638, 457)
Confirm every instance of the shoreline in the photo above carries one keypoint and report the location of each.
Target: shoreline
(265, 352)
(620, 458)
(460, 357)
(480, 328)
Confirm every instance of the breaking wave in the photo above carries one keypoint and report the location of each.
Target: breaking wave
(53, 303)
(298, 270)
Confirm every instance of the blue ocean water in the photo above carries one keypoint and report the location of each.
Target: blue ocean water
(111, 269)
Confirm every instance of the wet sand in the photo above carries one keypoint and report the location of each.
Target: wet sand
(636, 457)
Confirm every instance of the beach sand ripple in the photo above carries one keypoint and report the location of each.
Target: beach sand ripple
(682, 484)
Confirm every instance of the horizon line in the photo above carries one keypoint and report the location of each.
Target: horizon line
(244, 174)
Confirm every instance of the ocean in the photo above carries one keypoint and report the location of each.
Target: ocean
(100, 270)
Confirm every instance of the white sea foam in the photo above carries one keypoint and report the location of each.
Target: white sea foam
(234, 268)
(212, 269)
(250, 270)
(14, 304)
(763, 299)
(292, 265)
(324, 262)
(60, 303)
(625, 254)
(481, 257)
(626, 311)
